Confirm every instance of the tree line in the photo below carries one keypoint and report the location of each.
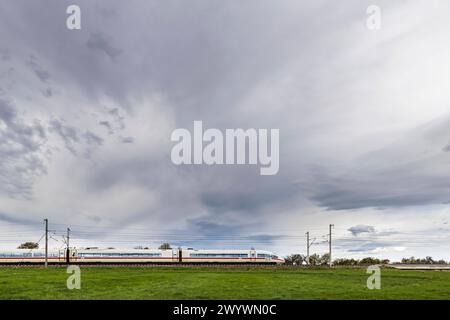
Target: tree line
(323, 260)
(427, 260)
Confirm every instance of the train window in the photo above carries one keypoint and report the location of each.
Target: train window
(16, 254)
(88, 255)
(139, 254)
(220, 255)
(119, 254)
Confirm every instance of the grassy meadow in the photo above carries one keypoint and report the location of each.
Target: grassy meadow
(220, 283)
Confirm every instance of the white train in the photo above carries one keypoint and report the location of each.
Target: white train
(111, 256)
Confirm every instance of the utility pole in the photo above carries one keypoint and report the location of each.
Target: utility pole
(68, 247)
(329, 242)
(46, 242)
(307, 247)
(68, 237)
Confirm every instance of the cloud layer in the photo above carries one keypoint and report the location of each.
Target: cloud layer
(86, 117)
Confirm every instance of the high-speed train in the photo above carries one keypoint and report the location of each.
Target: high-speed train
(111, 256)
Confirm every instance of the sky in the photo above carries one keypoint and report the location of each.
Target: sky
(86, 118)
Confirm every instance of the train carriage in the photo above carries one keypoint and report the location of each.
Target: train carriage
(230, 256)
(29, 256)
(126, 256)
(138, 256)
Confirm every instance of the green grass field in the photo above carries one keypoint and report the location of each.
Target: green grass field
(220, 283)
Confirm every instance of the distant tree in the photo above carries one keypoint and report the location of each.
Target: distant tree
(429, 260)
(369, 261)
(28, 245)
(408, 260)
(324, 259)
(345, 262)
(165, 246)
(362, 262)
(295, 259)
(318, 260)
(314, 259)
(289, 259)
(426, 260)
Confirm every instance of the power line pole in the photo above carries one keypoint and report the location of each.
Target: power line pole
(68, 237)
(329, 242)
(67, 248)
(307, 247)
(46, 242)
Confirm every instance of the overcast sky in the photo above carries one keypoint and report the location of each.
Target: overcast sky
(364, 118)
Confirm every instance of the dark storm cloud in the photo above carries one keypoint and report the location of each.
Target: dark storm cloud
(351, 192)
(356, 230)
(107, 125)
(409, 172)
(39, 71)
(204, 71)
(213, 229)
(261, 238)
(7, 112)
(219, 235)
(48, 93)
(102, 43)
(209, 53)
(12, 219)
(20, 146)
(92, 139)
(114, 123)
(67, 133)
(5, 55)
(243, 198)
(74, 138)
(446, 148)
(366, 247)
(365, 239)
(127, 139)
